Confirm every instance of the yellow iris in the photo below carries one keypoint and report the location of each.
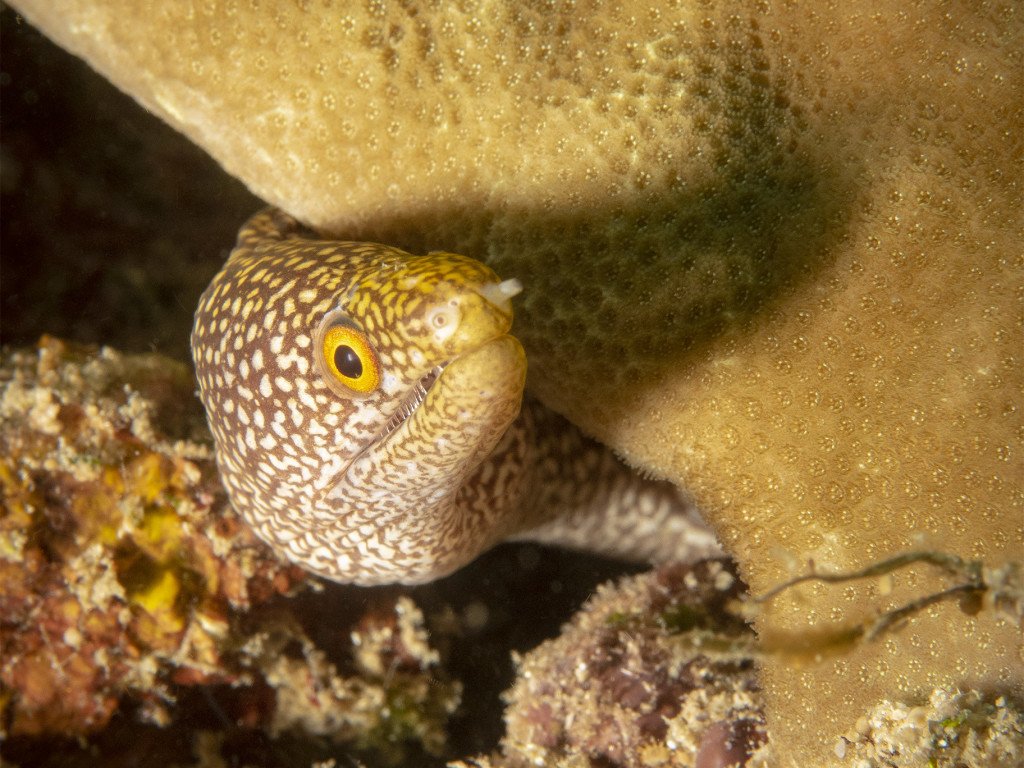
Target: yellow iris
(349, 358)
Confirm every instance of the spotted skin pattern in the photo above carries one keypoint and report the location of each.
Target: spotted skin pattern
(442, 460)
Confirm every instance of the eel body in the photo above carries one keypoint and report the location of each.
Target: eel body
(367, 409)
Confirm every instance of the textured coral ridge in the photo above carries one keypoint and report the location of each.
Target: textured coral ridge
(770, 251)
(653, 671)
(128, 582)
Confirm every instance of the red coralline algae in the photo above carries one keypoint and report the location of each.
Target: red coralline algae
(653, 671)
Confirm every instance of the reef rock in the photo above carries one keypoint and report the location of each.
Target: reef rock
(652, 671)
(130, 586)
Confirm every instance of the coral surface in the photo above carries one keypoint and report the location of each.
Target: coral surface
(771, 251)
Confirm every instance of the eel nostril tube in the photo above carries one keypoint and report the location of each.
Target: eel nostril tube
(500, 294)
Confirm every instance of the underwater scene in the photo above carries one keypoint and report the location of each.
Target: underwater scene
(491, 384)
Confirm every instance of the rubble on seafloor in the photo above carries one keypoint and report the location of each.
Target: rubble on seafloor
(952, 729)
(655, 670)
(658, 671)
(129, 584)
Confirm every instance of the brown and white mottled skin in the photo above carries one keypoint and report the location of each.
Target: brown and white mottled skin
(439, 462)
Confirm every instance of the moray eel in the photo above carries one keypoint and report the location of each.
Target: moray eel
(368, 415)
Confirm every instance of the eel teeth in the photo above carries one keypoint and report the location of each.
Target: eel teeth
(412, 402)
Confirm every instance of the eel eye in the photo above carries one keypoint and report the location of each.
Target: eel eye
(346, 357)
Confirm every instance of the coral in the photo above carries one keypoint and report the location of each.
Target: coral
(953, 728)
(128, 582)
(756, 260)
(396, 695)
(653, 671)
(111, 562)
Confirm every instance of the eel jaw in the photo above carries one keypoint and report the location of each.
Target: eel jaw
(486, 318)
(497, 298)
(409, 405)
(334, 475)
(491, 376)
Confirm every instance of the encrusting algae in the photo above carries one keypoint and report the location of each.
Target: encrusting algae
(128, 583)
(655, 670)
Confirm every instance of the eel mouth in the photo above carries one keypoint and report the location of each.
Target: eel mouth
(486, 317)
(410, 404)
(477, 395)
(496, 313)
(412, 401)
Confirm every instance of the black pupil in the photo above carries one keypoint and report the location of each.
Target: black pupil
(347, 362)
